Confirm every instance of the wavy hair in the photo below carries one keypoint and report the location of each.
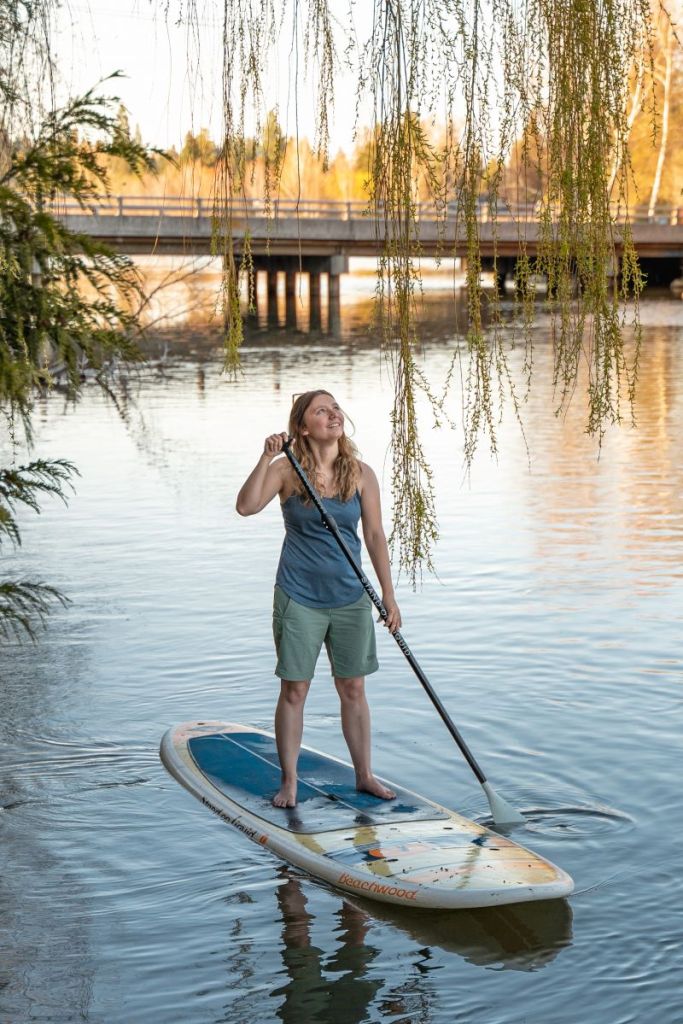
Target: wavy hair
(346, 465)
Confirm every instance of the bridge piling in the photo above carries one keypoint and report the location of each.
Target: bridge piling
(314, 303)
(290, 298)
(271, 297)
(271, 287)
(334, 304)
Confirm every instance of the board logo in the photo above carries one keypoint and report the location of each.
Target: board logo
(251, 833)
(376, 887)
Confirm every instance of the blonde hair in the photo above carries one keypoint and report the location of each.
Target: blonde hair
(346, 465)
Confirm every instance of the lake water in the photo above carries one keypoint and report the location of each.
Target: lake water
(552, 634)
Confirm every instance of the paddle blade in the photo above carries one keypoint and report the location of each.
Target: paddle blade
(501, 811)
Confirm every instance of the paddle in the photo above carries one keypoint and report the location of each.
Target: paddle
(502, 812)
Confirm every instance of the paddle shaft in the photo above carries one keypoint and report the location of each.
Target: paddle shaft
(330, 524)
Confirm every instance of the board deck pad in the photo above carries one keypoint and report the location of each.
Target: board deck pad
(409, 851)
(246, 768)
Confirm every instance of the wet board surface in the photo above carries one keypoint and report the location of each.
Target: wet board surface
(245, 767)
(409, 851)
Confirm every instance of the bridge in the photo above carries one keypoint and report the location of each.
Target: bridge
(318, 236)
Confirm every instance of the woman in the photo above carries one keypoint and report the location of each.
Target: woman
(318, 598)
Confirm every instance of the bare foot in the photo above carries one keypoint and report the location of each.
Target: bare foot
(286, 797)
(375, 788)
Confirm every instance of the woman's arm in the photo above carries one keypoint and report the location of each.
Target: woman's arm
(265, 480)
(376, 543)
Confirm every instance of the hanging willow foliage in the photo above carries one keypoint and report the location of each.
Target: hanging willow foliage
(580, 241)
(543, 81)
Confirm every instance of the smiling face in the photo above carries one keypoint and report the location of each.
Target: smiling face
(316, 424)
(323, 419)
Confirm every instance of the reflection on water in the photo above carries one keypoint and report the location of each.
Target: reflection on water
(181, 295)
(183, 306)
(329, 969)
(320, 986)
(552, 634)
(632, 508)
(521, 938)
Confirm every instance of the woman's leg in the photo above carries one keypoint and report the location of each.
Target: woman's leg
(355, 717)
(289, 728)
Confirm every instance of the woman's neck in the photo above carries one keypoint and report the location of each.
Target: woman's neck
(324, 456)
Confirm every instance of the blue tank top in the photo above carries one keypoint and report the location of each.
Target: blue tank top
(312, 569)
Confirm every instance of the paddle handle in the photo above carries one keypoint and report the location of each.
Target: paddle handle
(330, 524)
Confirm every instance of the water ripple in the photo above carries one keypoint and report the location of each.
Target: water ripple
(575, 822)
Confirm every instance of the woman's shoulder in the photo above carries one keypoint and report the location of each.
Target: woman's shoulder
(285, 476)
(366, 476)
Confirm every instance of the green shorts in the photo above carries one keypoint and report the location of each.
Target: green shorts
(347, 632)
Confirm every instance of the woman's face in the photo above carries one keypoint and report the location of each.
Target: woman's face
(323, 419)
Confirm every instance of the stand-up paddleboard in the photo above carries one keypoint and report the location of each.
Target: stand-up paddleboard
(409, 851)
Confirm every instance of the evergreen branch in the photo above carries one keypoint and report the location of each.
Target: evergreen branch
(24, 485)
(22, 602)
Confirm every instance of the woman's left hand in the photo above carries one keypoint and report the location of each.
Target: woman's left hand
(393, 619)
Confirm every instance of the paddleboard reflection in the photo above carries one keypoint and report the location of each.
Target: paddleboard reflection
(317, 986)
(519, 937)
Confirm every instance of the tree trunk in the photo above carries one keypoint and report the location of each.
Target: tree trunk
(666, 103)
(633, 113)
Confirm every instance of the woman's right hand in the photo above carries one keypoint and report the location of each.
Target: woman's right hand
(273, 444)
(265, 479)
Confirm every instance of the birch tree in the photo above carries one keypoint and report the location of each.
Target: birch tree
(663, 73)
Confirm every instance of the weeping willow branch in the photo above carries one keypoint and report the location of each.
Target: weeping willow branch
(580, 244)
(402, 157)
(503, 103)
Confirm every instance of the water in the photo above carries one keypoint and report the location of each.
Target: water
(553, 635)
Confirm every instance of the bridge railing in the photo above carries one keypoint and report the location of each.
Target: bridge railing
(330, 209)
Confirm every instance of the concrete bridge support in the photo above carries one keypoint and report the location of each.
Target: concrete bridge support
(333, 304)
(676, 285)
(290, 298)
(314, 300)
(271, 294)
(336, 266)
(504, 271)
(293, 266)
